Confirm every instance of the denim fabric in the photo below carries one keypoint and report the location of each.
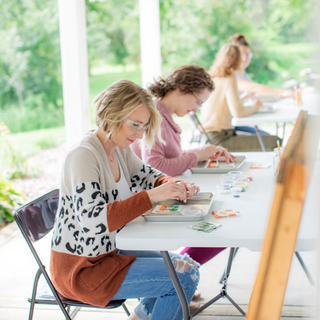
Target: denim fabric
(148, 278)
(251, 130)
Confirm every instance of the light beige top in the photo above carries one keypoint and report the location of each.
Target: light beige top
(223, 104)
(85, 264)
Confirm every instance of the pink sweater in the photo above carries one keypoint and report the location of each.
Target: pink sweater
(170, 158)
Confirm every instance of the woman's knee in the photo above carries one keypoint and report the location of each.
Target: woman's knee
(187, 268)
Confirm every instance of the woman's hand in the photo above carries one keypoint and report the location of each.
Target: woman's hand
(180, 190)
(259, 104)
(212, 152)
(247, 95)
(191, 188)
(287, 94)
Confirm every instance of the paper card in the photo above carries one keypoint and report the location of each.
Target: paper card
(213, 164)
(170, 209)
(225, 213)
(205, 226)
(260, 166)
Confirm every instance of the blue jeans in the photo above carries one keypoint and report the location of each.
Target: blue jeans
(250, 130)
(149, 278)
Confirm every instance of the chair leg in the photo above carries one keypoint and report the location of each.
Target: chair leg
(73, 313)
(34, 293)
(125, 309)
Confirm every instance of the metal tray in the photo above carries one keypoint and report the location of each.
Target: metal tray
(223, 167)
(202, 202)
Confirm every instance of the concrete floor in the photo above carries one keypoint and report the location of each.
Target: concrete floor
(17, 269)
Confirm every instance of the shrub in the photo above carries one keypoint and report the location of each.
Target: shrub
(9, 200)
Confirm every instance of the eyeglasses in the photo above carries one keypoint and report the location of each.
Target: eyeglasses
(198, 101)
(248, 55)
(135, 127)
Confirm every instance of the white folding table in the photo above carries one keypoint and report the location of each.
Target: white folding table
(285, 111)
(247, 230)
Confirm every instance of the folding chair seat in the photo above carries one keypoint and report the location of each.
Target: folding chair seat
(35, 220)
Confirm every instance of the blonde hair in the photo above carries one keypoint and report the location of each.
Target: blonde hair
(119, 101)
(239, 39)
(227, 61)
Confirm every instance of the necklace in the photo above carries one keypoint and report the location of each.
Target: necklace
(110, 159)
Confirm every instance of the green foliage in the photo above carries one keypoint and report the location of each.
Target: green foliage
(191, 33)
(30, 53)
(9, 200)
(31, 118)
(18, 167)
(113, 32)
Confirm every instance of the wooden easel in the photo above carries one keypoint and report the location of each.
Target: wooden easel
(280, 240)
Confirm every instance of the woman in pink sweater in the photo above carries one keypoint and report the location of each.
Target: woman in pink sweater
(183, 91)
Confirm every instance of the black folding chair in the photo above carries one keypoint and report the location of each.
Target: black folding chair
(35, 220)
(198, 126)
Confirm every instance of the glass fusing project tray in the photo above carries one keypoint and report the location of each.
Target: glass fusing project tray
(221, 167)
(195, 209)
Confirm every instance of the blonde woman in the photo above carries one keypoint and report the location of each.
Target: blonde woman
(103, 187)
(225, 103)
(245, 84)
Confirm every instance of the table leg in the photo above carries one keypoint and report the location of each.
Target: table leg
(182, 296)
(223, 275)
(223, 292)
(283, 131)
(263, 146)
(304, 267)
(177, 285)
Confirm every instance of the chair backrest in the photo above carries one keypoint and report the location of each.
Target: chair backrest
(279, 244)
(36, 218)
(198, 126)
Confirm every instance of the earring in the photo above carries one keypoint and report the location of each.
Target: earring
(109, 135)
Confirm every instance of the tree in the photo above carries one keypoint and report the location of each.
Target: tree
(30, 53)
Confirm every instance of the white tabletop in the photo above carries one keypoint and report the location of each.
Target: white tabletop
(286, 111)
(247, 230)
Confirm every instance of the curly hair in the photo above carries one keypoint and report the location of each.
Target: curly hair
(188, 79)
(227, 61)
(119, 101)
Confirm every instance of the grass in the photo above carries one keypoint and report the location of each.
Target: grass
(29, 143)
